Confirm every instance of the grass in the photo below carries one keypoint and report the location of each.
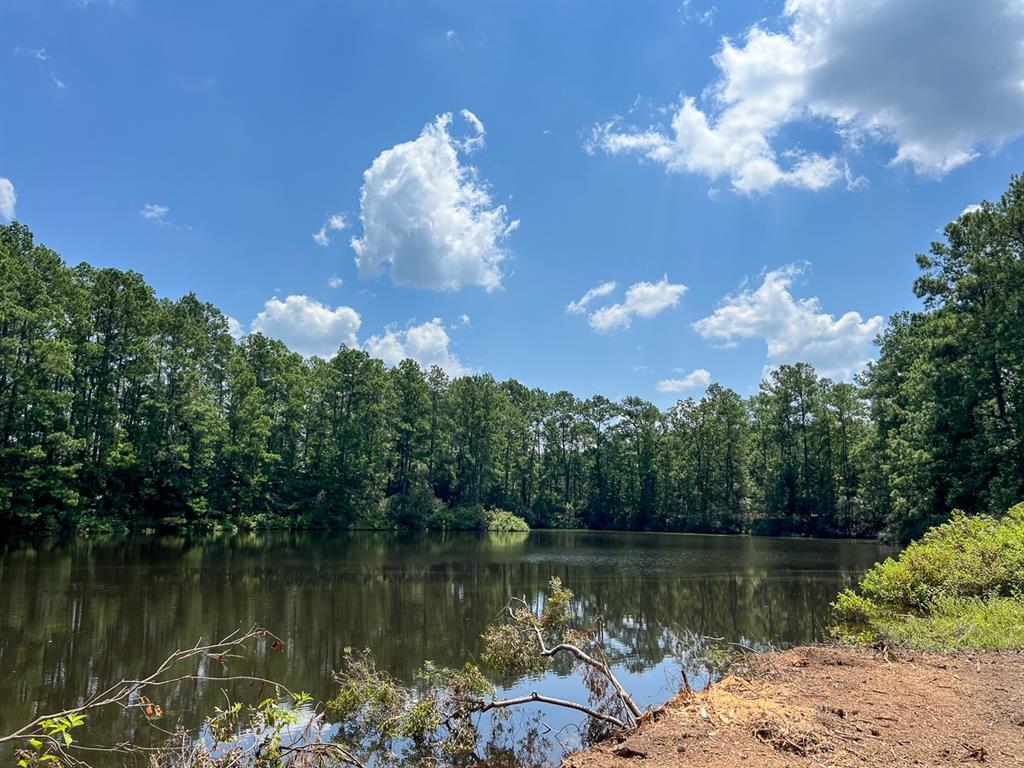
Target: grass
(961, 625)
(960, 587)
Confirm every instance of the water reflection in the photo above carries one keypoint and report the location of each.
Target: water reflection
(76, 617)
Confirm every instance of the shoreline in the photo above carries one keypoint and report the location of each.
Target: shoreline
(199, 532)
(837, 706)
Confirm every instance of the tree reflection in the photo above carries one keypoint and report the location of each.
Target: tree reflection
(75, 616)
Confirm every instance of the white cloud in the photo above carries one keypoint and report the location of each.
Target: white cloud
(695, 379)
(642, 300)
(579, 306)
(154, 212)
(705, 16)
(937, 81)
(335, 281)
(464, 319)
(8, 199)
(794, 330)
(428, 344)
(42, 56)
(307, 326)
(335, 222)
(427, 218)
(970, 209)
(235, 328)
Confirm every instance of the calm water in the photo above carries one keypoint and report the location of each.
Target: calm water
(76, 617)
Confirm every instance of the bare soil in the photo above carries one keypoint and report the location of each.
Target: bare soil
(837, 707)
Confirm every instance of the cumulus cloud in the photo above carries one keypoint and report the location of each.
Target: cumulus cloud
(695, 379)
(235, 328)
(154, 212)
(974, 207)
(579, 306)
(333, 223)
(428, 220)
(428, 344)
(643, 299)
(8, 199)
(794, 330)
(335, 281)
(307, 326)
(936, 81)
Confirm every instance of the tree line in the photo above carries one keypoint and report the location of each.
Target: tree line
(119, 408)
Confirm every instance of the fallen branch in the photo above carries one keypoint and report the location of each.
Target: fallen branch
(51, 733)
(485, 705)
(635, 712)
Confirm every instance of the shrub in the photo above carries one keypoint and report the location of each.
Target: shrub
(413, 510)
(473, 517)
(469, 517)
(960, 586)
(503, 520)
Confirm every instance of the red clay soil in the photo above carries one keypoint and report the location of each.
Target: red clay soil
(835, 707)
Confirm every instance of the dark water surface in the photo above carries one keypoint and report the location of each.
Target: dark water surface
(77, 617)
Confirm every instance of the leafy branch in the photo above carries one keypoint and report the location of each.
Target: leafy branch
(440, 712)
(49, 742)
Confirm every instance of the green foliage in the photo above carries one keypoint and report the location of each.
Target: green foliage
(369, 693)
(416, 508)
(947, 393)
(438, 716)
(465, 517)
(48, 751)
(434, 714)
(513, 647)
(503, 520)
(249, 735)
(122, 410)
(961, 625)
(960, 586)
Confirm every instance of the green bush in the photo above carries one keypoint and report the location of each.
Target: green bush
(503, 520)
(468, 517)
(474, 517)
(413, 510)
(960, 586)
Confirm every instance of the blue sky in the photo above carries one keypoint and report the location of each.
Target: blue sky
(783, 163)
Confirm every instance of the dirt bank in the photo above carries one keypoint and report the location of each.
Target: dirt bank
(823, 706)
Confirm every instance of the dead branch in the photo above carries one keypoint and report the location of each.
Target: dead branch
(627, 700)
(486, 704)
(122, 693)
(127, 694)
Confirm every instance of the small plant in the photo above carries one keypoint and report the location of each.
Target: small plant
(252, 735)
(48, 747)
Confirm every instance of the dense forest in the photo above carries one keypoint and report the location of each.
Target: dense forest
(119, 408)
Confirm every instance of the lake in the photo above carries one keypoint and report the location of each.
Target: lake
(78, 616)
